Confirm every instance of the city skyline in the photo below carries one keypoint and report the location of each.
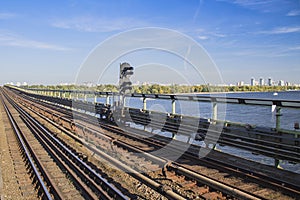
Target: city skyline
(46, 43)
(252, 82)
(266, 82)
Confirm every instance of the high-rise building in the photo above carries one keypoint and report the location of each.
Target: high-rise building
(241, 83)
(252, 83)
(281, 83)
(270, 82)
(261, 82)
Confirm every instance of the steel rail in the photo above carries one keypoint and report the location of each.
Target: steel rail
(16, 129)
(260, 175)
(107, 188)
(233, 191)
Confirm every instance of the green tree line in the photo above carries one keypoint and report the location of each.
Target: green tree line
(170, 89)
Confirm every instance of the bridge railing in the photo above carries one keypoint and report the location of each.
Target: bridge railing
(214, 99)
(218, 98)
(277, 143)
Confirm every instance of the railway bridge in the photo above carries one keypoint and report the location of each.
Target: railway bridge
(84, 132)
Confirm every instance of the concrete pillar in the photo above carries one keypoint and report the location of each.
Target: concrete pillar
(278, 115)
(173, 106)
(107, 99)
(144, 103)
(214, 118)
(85, 97)
(215, 111)
(277, 163)
(95, 98)
(124, 101)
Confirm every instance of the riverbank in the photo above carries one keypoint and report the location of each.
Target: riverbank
(172, 89)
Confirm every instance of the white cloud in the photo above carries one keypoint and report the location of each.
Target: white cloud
(267, 51)
(202, 37)
(296, 48)
(218, 35)
(9, 39)
(293, 13)
(282, 30)
(262, 5)
(7, 15)
(90, 24)
(251, 2)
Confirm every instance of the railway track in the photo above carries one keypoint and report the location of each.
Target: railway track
(172, 171)
(28, 158)
(67, 114)
(164, 185)
(280, 145)
(168, 193)
(23, 170)
(59, 172)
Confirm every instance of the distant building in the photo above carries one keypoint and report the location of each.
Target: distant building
(88, 84)
(261, 82)
(270, 82)
(252, 83)
(241, 83)
(281, 83)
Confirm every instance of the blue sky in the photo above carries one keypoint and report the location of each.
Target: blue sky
(45, 42)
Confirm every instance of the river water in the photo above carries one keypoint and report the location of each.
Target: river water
(256, 115)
